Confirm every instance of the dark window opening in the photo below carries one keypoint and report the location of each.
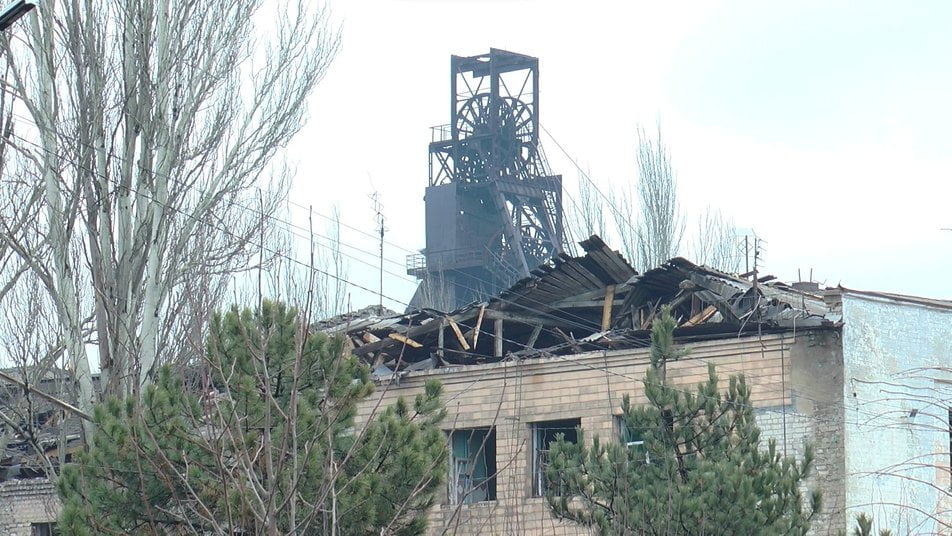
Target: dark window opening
(472, 476)
(543, 435)
(43, 529)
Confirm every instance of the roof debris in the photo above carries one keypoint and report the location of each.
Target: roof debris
(592, 302)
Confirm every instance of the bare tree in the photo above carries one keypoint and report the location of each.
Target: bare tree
(589, 217)
(144, 135)
(624, 211)
(716, 243)
(661, 223)
(646, 218)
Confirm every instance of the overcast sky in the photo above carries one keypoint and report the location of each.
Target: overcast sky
(823, 127)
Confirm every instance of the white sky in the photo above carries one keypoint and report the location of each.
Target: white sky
(823, 127)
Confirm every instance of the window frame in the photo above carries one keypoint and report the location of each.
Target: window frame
(633, 440)
(540, 455)
(46, 528)
(484, 439)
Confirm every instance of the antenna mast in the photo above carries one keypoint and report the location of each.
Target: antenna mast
(381, 228)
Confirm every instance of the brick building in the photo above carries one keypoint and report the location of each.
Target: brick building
(560, 349)
(866, 378)
(28, 507)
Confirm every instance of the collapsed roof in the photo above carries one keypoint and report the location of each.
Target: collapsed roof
(33, 428)
(592, 302)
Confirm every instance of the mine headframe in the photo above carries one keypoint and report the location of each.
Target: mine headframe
(493, 209)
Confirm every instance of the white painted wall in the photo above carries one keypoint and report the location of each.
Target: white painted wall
(897, 464)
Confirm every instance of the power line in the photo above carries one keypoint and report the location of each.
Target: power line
(583, 323)
(279, 254)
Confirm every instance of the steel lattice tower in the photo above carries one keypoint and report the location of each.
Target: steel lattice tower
(493, 209)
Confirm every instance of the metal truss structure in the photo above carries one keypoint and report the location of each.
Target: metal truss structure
(493, 209)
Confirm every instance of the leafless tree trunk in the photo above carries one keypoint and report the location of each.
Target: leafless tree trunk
(150, 126)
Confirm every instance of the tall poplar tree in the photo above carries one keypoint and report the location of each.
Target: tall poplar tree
(688, 463)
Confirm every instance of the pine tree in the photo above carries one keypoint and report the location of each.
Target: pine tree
(263, 441)
(689, 463)
(864, 527)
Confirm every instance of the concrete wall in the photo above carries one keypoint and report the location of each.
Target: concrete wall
(793, 382)
(897, 399)
(24, 502)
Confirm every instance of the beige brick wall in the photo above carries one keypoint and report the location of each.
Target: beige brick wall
(513, 395)
(795, 386)
(24, 502)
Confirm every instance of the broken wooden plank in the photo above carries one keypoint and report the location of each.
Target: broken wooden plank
(479, 324)
(607, 307)
(572, 342)
(405, 340)
(459, 334)
(497, 343)
(534, 336)
(369, 337)
(413, 332)
(440, 339)
(701, 317)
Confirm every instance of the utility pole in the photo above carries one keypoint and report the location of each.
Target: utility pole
(13, 12)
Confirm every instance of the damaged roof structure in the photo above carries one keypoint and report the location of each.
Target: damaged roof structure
(596, 301)
(570, 305)
(33, 428)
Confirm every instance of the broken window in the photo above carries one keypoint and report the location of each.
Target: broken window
(634, 439)
(543, 435)
(472, 476)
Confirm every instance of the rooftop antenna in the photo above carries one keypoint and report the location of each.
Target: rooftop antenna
(382, 229)
(753, 251)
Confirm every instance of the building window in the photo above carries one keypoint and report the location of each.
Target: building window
(472, 466)
(543, 435)
(633, 438)
(43, 529)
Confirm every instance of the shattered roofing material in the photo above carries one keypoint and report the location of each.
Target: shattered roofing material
(567, 277)
(689, 288)
(577, 304)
